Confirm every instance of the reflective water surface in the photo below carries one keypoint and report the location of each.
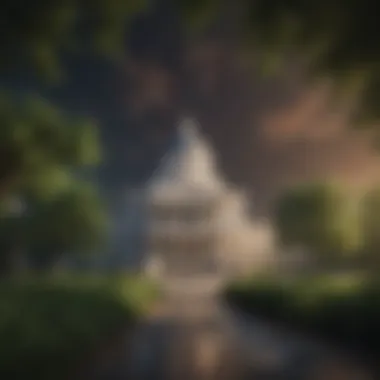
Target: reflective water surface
(197, 339)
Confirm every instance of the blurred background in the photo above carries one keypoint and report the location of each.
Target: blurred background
(94, 98)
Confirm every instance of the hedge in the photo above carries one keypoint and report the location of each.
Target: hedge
(341, 312)
(47, 326)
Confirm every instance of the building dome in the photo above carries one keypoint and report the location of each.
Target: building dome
(189, 168)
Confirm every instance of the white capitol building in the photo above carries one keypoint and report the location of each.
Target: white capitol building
(197, 224)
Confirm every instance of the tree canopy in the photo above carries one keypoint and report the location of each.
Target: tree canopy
(73, 222)
(334, 39)
(39, 145)
(40, 32)
(337, 38)
(319, 218)
(41, 150)
(370, 208)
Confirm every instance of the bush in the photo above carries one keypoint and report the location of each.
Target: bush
(337, 310)
(48, 326)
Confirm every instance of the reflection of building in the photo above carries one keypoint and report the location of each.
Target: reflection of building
(197, 224)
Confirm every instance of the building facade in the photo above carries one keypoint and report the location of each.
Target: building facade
(195, 219)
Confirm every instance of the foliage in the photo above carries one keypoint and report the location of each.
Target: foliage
(336, 38)
(370, 207)
(74, 221)
(50, 325)
(41, 32)
(317, 217)
(40, 150)
(39, 144)
(339, 310)
(198, 15)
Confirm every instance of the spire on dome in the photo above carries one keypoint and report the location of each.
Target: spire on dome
(190, 163)
(188, 134)
(188, 127)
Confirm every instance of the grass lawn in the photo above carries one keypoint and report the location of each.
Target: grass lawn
(48, 325)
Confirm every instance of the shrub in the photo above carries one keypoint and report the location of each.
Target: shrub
(48, 326)
(335, 309)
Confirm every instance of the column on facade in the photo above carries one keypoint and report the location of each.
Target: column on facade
(192, 246)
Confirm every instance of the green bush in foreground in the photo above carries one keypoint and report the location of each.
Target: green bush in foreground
(48, 326)
(334, 309)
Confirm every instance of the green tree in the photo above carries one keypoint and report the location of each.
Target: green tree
(12, 234)
(335, 39)
(73, 223)
(41, 148)
(39, 33)
(39, 145)
(370, 212)
(319, 218)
